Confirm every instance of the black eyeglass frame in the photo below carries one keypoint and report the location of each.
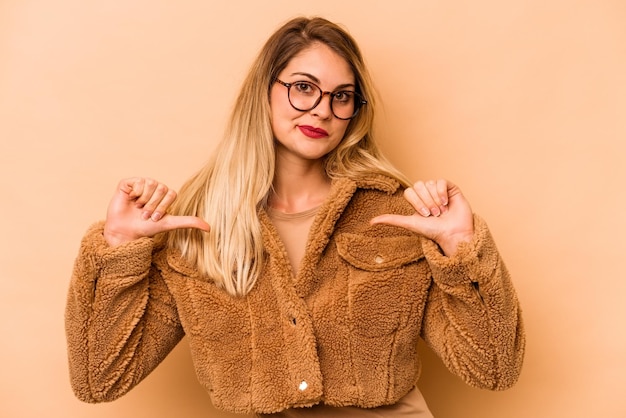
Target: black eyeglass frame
(358, 99)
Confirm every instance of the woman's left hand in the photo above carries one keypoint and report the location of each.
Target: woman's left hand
(442, 214)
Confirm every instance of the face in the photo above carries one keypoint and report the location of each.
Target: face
(308, 136)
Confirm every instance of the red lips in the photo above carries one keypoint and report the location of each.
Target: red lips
(312, 132)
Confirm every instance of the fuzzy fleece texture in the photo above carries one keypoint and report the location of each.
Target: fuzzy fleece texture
(343, 331)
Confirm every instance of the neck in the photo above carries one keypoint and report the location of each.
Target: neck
(299, 187)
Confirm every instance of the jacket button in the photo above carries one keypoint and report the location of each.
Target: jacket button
(303, 386)
(378, 259)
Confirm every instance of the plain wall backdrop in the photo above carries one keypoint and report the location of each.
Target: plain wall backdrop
(521, 103)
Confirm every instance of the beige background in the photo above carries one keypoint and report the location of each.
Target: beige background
(522, 103)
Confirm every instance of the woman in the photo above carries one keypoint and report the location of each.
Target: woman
(301, 265)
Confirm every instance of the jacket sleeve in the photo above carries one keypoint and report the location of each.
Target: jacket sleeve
(473, 318)
(121, 321)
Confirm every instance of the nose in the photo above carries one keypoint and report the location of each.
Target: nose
(323, 108)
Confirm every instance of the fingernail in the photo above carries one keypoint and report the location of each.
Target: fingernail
(145, 215)
(435, 211)
(156, 216)
(425, 212)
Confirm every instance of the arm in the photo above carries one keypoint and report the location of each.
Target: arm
(121, 321)
(472, 318)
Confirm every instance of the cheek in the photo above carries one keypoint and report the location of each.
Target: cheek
(341, 127)
(280, 107)
(280, 115)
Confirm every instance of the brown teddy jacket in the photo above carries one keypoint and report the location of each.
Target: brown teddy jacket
(343, 331)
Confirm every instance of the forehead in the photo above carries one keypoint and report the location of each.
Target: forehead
(321, 62)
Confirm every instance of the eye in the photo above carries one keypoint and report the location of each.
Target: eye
(343, 96)
(303, 87)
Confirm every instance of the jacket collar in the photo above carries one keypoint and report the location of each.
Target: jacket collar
(341, 192)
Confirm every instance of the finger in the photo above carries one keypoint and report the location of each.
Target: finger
(131, 187)
(411, 196)
(442, 191)
(453, 190)
(160, 200)
(439, 193)
(433, 189)
(149, 186)
(427, 192)
(171, 222)
(164, 205)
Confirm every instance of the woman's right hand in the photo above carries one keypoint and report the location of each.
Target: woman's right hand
(139, 209)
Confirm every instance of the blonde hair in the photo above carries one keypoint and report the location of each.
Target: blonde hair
(228, 192)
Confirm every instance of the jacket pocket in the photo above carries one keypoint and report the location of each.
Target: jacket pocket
(378, 272)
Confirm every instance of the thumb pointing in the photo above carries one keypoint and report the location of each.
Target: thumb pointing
(171, 222)
(407, 222)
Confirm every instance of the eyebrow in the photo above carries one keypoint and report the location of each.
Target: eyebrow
(317, 80)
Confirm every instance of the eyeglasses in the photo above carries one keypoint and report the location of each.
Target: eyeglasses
(304, 96)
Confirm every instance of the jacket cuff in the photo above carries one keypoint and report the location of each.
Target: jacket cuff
(129, 259)
(469, 264)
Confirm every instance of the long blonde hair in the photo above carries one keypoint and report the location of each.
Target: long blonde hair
(228, 192)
